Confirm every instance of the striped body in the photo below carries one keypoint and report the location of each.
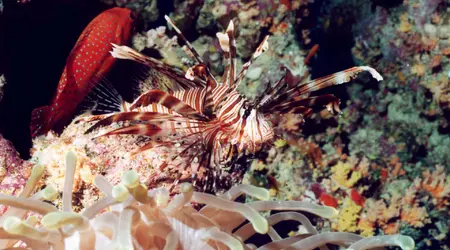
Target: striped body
(205, 123)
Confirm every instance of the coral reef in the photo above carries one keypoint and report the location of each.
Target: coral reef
(147, 10)
(384, 163)
(13, 170)
(372, 199)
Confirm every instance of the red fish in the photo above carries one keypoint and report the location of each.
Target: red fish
(86, 66)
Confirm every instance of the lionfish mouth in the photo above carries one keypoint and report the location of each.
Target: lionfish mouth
(204, 123)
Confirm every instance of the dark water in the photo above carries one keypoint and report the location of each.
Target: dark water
(35, 40)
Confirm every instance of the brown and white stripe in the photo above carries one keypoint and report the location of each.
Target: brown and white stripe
(205, 123)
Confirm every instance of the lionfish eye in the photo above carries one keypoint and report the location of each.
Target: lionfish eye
(247, 112)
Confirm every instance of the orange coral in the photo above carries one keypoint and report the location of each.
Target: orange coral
(391, 228)
(438, 185)
(414, 216)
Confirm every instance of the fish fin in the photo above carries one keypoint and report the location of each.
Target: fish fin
(40, 121)
(167, 76)
(103, 98)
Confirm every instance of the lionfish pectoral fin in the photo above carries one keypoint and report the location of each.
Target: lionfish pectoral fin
(336, 79)
(40, 121)
(141, 149)
(169, 101)
(136, 129)
(163, 166)
(91, 118)
(103, 98)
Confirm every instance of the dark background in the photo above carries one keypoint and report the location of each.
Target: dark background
(35, 40)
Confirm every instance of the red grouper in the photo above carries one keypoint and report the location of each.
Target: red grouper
(86, 66)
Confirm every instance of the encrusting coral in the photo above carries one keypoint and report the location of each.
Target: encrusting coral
(130, 217)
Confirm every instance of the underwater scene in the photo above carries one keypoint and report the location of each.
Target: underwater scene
(224, 124)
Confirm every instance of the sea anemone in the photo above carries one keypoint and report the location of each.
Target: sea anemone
(131, 217)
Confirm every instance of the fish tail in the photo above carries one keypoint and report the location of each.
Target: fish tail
(40, 121)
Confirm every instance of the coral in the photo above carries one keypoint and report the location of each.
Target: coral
(437, 183)
(186, 13)
(421, 10)
(104, 156)
(386, 154)
(157, 39)
(403, 207)
(13, 170)
(344, 174)
(154, 220)
(348, 217)
(361, 141)
(405, 26)
(147, 10)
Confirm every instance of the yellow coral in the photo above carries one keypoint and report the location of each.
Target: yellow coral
(341, 172)
(418, 69)
(348, 217)
(280, 143)
(405, 26)
(273, 192)
(258, 166)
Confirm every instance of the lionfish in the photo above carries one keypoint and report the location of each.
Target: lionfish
(206, 124)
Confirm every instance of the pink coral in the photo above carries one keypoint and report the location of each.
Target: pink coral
(13, 170)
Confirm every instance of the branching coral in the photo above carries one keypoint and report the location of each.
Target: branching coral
(130, 217)
(344, 175)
